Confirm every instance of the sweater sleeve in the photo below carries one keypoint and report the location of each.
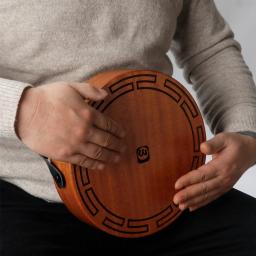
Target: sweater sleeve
(204, 46)
(10, 95)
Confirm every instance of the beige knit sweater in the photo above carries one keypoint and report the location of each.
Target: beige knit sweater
(52, 40)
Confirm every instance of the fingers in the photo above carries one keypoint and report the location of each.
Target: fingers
(107, 124)
(191, 193)
(88, 91)
(86, 162)
(213, 145)
(204, 200)
(198, 185)
(203, 173)
(105, 139)
(94, 157)
(205, 184)
(98, 153)
(97, 138)
(200, 201)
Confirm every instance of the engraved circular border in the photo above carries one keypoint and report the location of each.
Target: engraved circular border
(144, 81)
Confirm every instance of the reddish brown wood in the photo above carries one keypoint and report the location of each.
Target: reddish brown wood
(133, 199)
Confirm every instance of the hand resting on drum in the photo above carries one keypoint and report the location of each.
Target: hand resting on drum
(55, 120)
(232, 154)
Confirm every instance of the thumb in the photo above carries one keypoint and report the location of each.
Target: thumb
(213, 145)
(89, 92)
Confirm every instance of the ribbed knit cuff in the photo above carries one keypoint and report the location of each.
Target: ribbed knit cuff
(10, 94)
(239, 118)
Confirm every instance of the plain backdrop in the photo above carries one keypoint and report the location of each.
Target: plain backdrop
(240, 15)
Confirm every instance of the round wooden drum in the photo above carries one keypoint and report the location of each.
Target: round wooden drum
(164, 130)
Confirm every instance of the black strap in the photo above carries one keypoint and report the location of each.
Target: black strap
(56, 173)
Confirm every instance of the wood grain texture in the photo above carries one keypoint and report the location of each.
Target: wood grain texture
(165, 128)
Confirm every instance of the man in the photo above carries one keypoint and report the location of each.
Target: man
(47, 49)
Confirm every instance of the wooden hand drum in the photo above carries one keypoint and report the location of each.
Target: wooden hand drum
(164, 130)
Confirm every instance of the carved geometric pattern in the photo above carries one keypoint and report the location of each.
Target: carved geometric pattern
(93, 204)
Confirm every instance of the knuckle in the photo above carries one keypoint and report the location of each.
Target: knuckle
(204, 188)
(88, 115)
(98, 153)
(79, 132)
(203, 176)
(83, 161)
(107, 142)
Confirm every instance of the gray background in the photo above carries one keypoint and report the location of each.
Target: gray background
(240, 15)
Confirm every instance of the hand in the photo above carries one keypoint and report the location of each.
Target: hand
(54, 120)
(232, 154)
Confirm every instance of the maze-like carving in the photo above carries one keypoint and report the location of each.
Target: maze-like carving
(92, 203)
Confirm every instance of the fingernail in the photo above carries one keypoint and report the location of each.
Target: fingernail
(101, 166)
(177, 186)
(191, 209)
(175, 200)
(182, 207)
(104, 92)
(116, 159)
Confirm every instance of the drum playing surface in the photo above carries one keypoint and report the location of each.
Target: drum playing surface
(164, 130)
